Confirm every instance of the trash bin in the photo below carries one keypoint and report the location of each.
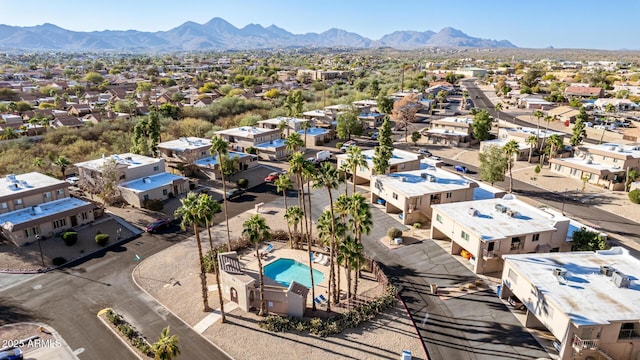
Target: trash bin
(406, 355)
(434, 288)
(499, 290)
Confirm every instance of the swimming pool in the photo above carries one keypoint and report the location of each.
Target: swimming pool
(284, 271)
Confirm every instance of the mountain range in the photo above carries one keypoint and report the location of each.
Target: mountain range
(218, 34)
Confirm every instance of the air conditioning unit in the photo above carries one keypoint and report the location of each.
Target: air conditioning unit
(621, 280)
(473, 212)
(606, 270)
(424, 175)
(501, 208)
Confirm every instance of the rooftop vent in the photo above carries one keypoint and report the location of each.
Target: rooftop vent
(501, 208)
(473, 212)
(424, 175)
(621, 280)
(512, 213)
(11, 178)
(619, 149)
(612, 147)
(559, 272)
(146, 180)
(606, 270)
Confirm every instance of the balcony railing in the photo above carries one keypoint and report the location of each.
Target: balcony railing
(580, 344)
(486, 254)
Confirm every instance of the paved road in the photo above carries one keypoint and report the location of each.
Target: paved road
(69, 299)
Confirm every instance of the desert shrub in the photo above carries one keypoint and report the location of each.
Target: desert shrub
(208, 264)
(339, 145)
(279, 235)
(70, 238)
(394, 232)
(58, 261)
(153, 204)
(242, 183)
(102, 239)
(417, 225)
(251, 150)
(634, 196)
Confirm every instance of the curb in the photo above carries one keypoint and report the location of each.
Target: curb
(126, 344)
(171, 311)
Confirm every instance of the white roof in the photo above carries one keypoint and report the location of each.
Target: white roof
(628, 150)
(585, 295)
(151, 182)
(490, 224)
(453, 120)
(398, 157)
(525, 131)
(288, 120)
(11, 219)
(431, 180)
(246, 131)
(210, 161)
(367, 102)
(12, 184)
(446, 131)
(318, 113)
(185, 143)
(587, 163)
(502, 142)
(129, 159)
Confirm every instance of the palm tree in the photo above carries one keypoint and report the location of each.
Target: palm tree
(511, 149)
(555, 142)
(548, 119)
(9, 134)
(532, 141)
(294, 215)
(293, 143)
(257, 230)
(282, 125)
(329, 179)
(498, 107)
(208, 210)
(351, 254)
(309, 173)
(538, 114)
(609, 108)
(220, 148)
(325, 235)
(166, 348)
(297, 166)
(355, 159)
(305, 126)
(63, 163)
(38, 162)
(342, 208)
(361, 223)
(191, 214)
(284, 183)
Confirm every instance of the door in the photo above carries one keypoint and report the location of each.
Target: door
(74, 221)
(234, 295)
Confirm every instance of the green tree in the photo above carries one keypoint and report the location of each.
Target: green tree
(256, 230)
(219, 149)
(146, 135)
(190, 213)
(609, 109)
(498, 108)
(63, 163)
(9, 134)
(555, 143)
(94, 78)
(548, 119)
(208, 210)
(538, 114)
(415, 136)
(374, 88)
(493, 165)
(297, 167)
(587, 240)
(294, 216)
(385, 104)
(329, 179)
(632, 175)
(361, 222)
(349, 254)
(167, 346)
(511, 149)
(384, 151)
(293, 104)
(532, 141)
(349, 124)
(579, 133)
(293, 142)
(481, 125)
(39, 162)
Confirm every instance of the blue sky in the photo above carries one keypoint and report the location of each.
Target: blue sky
(589, 24)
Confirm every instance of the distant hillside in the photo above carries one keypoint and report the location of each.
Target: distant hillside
(218, 34)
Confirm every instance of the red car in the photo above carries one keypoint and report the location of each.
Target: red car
(158, 224)
(272, 177)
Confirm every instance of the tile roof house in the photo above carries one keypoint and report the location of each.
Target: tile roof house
(584, 91)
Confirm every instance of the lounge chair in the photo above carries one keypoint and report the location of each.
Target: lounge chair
(324, 261)
(264, 253)
(317, 257)
(320, 300)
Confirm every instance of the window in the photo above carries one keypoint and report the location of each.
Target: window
(4, 205)
(395, 196)
(35, 230)
(164, 191)
(512, 276)
(60, 192)
(439, 218)
(84, 215)
(449, 195)
(156, 168)
(536, 237)
(47, 195)
(517, 243)
(17, 202)
(146, 197)
(26, 233)
(59, 223)
(464, 235)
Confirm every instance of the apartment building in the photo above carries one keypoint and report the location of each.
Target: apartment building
(521, 134)
(450, 131)
(33, 205)
(139, 177)
(602, 164)
(268, 142)
(488, 229)
(184, 151)
(410, 194)
(589, 301)
(400, 161)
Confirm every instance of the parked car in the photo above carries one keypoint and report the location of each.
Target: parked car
(323, 155)
(158, 225)
(11, 354)
(425, 152)
(462, 169)
(375, 135)
(516, 303)
(438, 158)
(272, 177)
(234, 193)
